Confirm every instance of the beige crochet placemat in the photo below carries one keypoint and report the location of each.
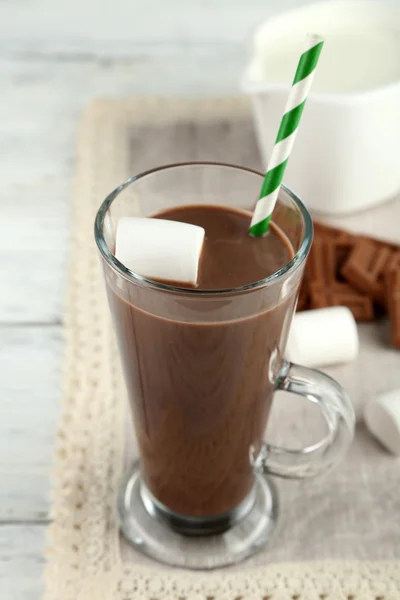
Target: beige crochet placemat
(345, 525)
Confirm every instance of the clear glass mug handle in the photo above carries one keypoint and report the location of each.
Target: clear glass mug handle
(338, 412)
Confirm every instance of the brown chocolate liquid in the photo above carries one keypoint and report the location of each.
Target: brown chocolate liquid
(201, 391)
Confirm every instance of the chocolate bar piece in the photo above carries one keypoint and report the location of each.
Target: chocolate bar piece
(342, 294)
(303, 302)
(393, 262)
(343, 249)
(325, 231)
(365, 267)
(356, 271)
(392, 289)
(336, 245)
(321, 263)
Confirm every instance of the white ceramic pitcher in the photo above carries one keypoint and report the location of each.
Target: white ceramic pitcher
(346, 156)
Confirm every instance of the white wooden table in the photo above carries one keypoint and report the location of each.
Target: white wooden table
(54, 58)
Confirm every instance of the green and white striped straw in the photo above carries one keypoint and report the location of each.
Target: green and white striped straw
(286, 136)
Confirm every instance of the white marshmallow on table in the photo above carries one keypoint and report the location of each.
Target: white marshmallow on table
(160, 249)
(325, 336)
(382, 417)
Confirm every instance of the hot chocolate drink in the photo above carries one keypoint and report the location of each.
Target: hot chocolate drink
(201, 388)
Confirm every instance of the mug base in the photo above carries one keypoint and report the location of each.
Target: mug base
(194, 543)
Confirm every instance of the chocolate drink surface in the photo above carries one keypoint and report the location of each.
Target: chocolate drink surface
(201, 390)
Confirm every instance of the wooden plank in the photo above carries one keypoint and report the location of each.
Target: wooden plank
(121, 27)
(29, 389)
(21, 561)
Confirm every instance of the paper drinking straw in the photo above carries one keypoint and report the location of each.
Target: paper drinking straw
(286, 135)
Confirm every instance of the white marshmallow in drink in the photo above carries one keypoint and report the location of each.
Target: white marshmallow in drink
(325, 336)
(160, 249)
(382, 417)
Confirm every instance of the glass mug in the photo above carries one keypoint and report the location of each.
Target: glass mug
(201, 368)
